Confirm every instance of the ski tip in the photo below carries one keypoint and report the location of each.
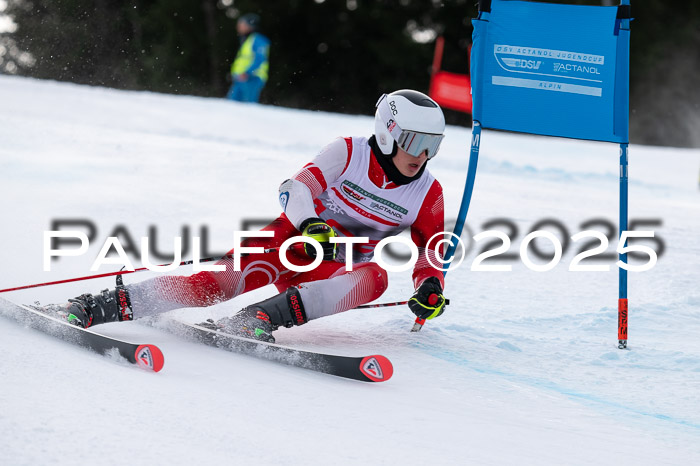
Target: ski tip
(149, 357)
(377, 368)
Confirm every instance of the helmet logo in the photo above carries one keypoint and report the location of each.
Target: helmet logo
(284, 198)
(390, 125)
(394, 110)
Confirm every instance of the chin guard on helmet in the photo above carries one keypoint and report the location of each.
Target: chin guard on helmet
(410, 119)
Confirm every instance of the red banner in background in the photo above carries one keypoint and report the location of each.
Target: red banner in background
(452, 91)
(449, 90)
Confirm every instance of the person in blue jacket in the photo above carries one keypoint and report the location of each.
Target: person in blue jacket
(249, 70)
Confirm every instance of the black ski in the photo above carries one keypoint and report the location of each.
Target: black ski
(146, 356)
(374, 368)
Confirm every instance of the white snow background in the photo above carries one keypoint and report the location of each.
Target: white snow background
(522, 368)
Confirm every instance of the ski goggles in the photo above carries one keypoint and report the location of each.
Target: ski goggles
(414, 143)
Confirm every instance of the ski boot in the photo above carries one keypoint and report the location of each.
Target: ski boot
(258, 321)
(87, 310)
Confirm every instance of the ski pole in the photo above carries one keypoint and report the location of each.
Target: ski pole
(397, 303)
(124, 272)
(121, 272)
(368, 306)
(418, 324)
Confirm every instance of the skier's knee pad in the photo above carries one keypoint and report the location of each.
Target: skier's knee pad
(376, 276)
(205, 289)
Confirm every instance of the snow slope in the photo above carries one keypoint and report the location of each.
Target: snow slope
(521, 369)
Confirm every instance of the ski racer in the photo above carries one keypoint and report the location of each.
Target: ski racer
(355, 186)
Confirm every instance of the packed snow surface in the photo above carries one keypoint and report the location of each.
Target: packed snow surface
(523, 367)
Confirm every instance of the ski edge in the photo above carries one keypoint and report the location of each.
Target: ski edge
(372, 368)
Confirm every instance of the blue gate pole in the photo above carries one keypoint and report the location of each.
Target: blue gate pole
(466, 199)
(468, 189)
(622, 309)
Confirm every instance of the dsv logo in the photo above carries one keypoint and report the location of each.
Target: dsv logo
(394, 110)
(521, 63)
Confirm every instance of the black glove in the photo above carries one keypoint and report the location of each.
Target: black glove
(320, 231)
(428, 302)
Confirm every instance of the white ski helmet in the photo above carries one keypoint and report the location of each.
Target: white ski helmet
(411, 119)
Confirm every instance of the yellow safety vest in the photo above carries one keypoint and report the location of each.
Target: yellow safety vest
(245, 58)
